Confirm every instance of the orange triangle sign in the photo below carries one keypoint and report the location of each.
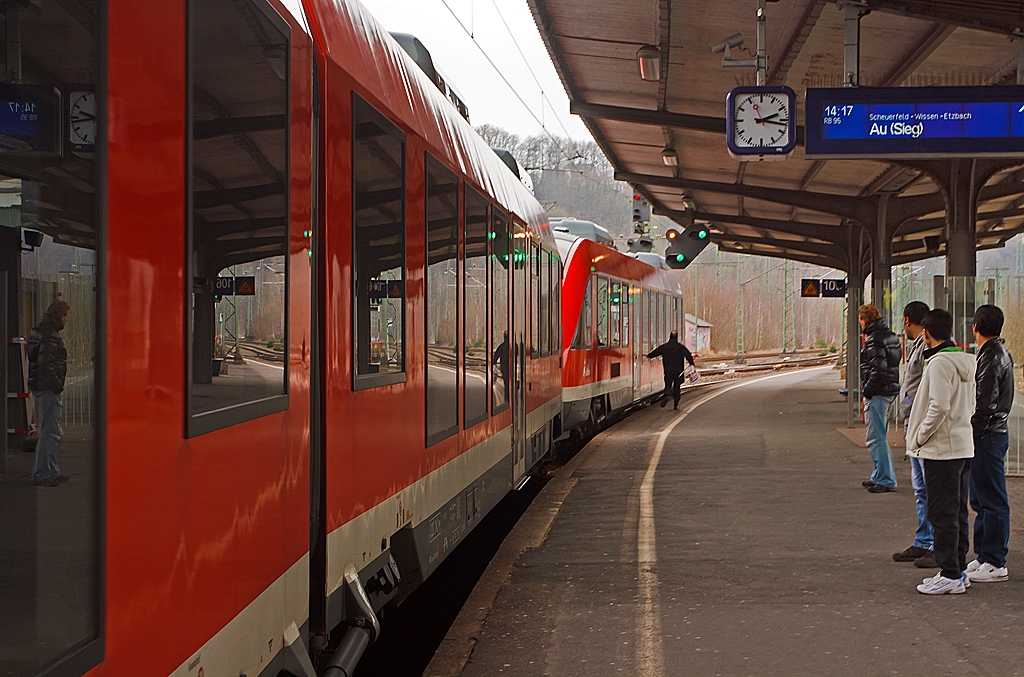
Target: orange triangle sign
(811, 289)
(245, 287)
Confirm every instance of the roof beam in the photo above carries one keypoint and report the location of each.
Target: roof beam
(831, 250)
(995, 16)
(645, 116)
(821, 231)
(860, 209)
(813, 259)
(777, 76)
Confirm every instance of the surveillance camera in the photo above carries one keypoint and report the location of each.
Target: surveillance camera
(731, 42)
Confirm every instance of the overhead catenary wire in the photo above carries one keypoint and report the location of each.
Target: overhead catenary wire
(540, 87)
(515, 92)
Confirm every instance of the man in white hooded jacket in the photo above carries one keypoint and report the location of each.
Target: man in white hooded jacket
(940, 433)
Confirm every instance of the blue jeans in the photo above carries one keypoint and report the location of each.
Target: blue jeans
(877, 417)
(923, 538)
(988, 498)
(51, 408)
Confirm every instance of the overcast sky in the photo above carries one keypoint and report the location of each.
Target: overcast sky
(463, 65)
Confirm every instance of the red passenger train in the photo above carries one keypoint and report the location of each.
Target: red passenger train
(615, 310)
(314, 333)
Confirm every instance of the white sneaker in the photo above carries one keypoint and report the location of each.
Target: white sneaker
(987, 573)
(940, 585)
(972, 566)
(963, 579)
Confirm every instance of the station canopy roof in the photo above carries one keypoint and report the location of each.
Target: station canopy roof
(757, 207)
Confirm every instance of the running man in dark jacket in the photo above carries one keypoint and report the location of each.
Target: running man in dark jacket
(880, 384)
(991, 440)
(47, 369)
(673, 355)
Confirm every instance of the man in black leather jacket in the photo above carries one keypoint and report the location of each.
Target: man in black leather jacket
(880, 384)
(47, 369)
(991, 439)
(673, 355)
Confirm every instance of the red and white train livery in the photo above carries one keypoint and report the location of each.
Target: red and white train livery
(313, 338)
(615, 310)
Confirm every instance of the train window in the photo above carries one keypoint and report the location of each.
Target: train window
(238, 213)
(664, 317)
(544, 261)
(615, 313)
(474, 316)
(582, 339)
(655, 320)
(378, 254)
(535, 305)
(646, 320)
(442, 302)
(602, 312)
(51, 533)
(501, 358)
(554, 336)
(627, 312)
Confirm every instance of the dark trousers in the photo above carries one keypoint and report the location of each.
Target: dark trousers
(988, 498)
(672, 384)
(947, 483)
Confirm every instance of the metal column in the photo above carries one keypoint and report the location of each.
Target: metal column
(881, 258)
(961, 249)
(854, 299)
(3, 370)
(741, 352)
(851, 44)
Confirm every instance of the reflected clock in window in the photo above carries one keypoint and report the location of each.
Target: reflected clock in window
(82, 124)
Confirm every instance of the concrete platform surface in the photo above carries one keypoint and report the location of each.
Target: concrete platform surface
(747, 548)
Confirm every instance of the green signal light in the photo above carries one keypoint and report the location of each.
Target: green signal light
(680, 257)
(702, 234)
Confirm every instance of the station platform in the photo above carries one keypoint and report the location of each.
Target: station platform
(742, 544)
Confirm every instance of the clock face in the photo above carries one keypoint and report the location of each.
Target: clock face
(762, 120)
(82, 118)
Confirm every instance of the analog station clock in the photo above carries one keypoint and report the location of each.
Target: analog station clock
(82, 125)
(760, 123)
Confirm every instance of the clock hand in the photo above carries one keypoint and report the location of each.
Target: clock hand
(83, 117)
(776, 122)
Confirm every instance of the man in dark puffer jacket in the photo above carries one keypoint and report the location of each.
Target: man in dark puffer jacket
(47, 369)
(880, 384)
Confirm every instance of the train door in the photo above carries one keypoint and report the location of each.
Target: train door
(635, 325)
(519, 285)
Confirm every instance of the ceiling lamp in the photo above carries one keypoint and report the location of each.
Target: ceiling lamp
(648, 60)
(669, 156)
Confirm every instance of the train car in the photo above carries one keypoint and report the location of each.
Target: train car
(615, 310)
(311, 334)
(426, 235)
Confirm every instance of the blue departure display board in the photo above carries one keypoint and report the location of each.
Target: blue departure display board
(30, 119)
(909, 122)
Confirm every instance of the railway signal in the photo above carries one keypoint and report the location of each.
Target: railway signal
(684, 247)
(641, 209)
